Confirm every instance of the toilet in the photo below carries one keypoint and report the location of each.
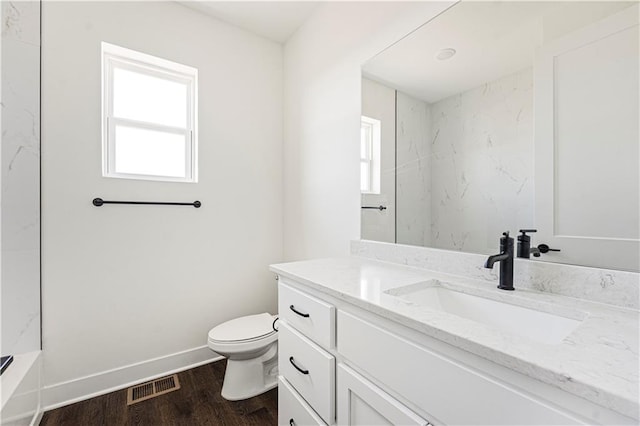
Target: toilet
(250, 344)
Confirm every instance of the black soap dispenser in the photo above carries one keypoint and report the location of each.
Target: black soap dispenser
(524, 244)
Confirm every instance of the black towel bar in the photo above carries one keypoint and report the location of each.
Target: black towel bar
(99, 202)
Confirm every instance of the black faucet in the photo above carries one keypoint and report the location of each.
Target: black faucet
(506, 262)
(524, 245)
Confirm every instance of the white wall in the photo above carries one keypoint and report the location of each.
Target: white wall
(322, 68)
(125, 285)
(379, 102)
(20, 196)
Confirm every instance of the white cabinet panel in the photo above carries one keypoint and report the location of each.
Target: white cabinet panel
(360, 402)
(292, 409)
(309, 315)
(309, 368)
(451, 392)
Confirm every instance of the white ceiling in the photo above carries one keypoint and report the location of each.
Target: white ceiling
(492, 40)
(275, 20)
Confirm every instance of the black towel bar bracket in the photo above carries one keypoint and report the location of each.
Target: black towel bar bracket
(99, 202)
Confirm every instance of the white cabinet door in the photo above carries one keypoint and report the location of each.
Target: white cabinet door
(360, 402)
(587, 149)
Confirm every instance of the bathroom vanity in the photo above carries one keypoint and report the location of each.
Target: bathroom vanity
(362, 341)
(449, 160)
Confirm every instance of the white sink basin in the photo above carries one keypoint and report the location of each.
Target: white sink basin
(540, 326)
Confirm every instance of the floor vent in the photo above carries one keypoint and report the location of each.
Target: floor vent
(152, 389)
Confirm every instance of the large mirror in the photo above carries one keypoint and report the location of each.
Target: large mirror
(500, 116)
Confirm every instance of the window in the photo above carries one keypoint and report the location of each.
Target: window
(370, 156)
(149, 117)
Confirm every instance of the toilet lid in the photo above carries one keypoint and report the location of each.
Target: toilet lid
(243, 328)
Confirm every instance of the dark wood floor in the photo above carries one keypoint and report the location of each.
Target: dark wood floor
(197, 402)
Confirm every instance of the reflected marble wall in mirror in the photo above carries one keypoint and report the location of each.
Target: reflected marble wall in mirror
(502, 116)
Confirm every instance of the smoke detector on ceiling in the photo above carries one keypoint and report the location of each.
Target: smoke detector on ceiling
(444, 54)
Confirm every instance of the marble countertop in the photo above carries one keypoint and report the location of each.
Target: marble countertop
(598, 360)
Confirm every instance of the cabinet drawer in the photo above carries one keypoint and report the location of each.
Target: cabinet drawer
(313, 317)
(292, 409)
(309, 369)
(437, 384)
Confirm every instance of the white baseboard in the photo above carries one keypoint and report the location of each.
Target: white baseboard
(37, 417)
(82, 388)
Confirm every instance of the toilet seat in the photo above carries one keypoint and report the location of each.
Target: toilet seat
(246, 329)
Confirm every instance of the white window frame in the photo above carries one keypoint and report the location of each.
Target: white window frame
(372, 154)
(119, 57)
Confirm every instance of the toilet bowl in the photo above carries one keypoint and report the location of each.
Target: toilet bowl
(250, 345)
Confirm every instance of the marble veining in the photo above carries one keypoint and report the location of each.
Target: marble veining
(597, 361)
(620, 288)
(10, 19)
(21, 21)
(413, 177)
(464, 165)
(20, 176)
(481, 163)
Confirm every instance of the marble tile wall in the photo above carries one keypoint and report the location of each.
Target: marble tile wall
(482, 164)
(613, 287)
(20, 177)
(413, 175)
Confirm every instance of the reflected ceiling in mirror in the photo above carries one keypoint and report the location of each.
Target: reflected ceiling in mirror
(464, 102)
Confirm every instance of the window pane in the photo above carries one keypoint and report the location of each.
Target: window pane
(142, 97)
(365, 183)
(149, 152)
(365, 141)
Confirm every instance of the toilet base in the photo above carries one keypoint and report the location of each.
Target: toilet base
(250, 377)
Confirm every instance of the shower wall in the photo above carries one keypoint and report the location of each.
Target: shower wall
(20, 177)
(464, 165)
(413, 175)
(482, 164)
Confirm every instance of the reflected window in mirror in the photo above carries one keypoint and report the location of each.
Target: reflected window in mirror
(532, 124)
(370, 155)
